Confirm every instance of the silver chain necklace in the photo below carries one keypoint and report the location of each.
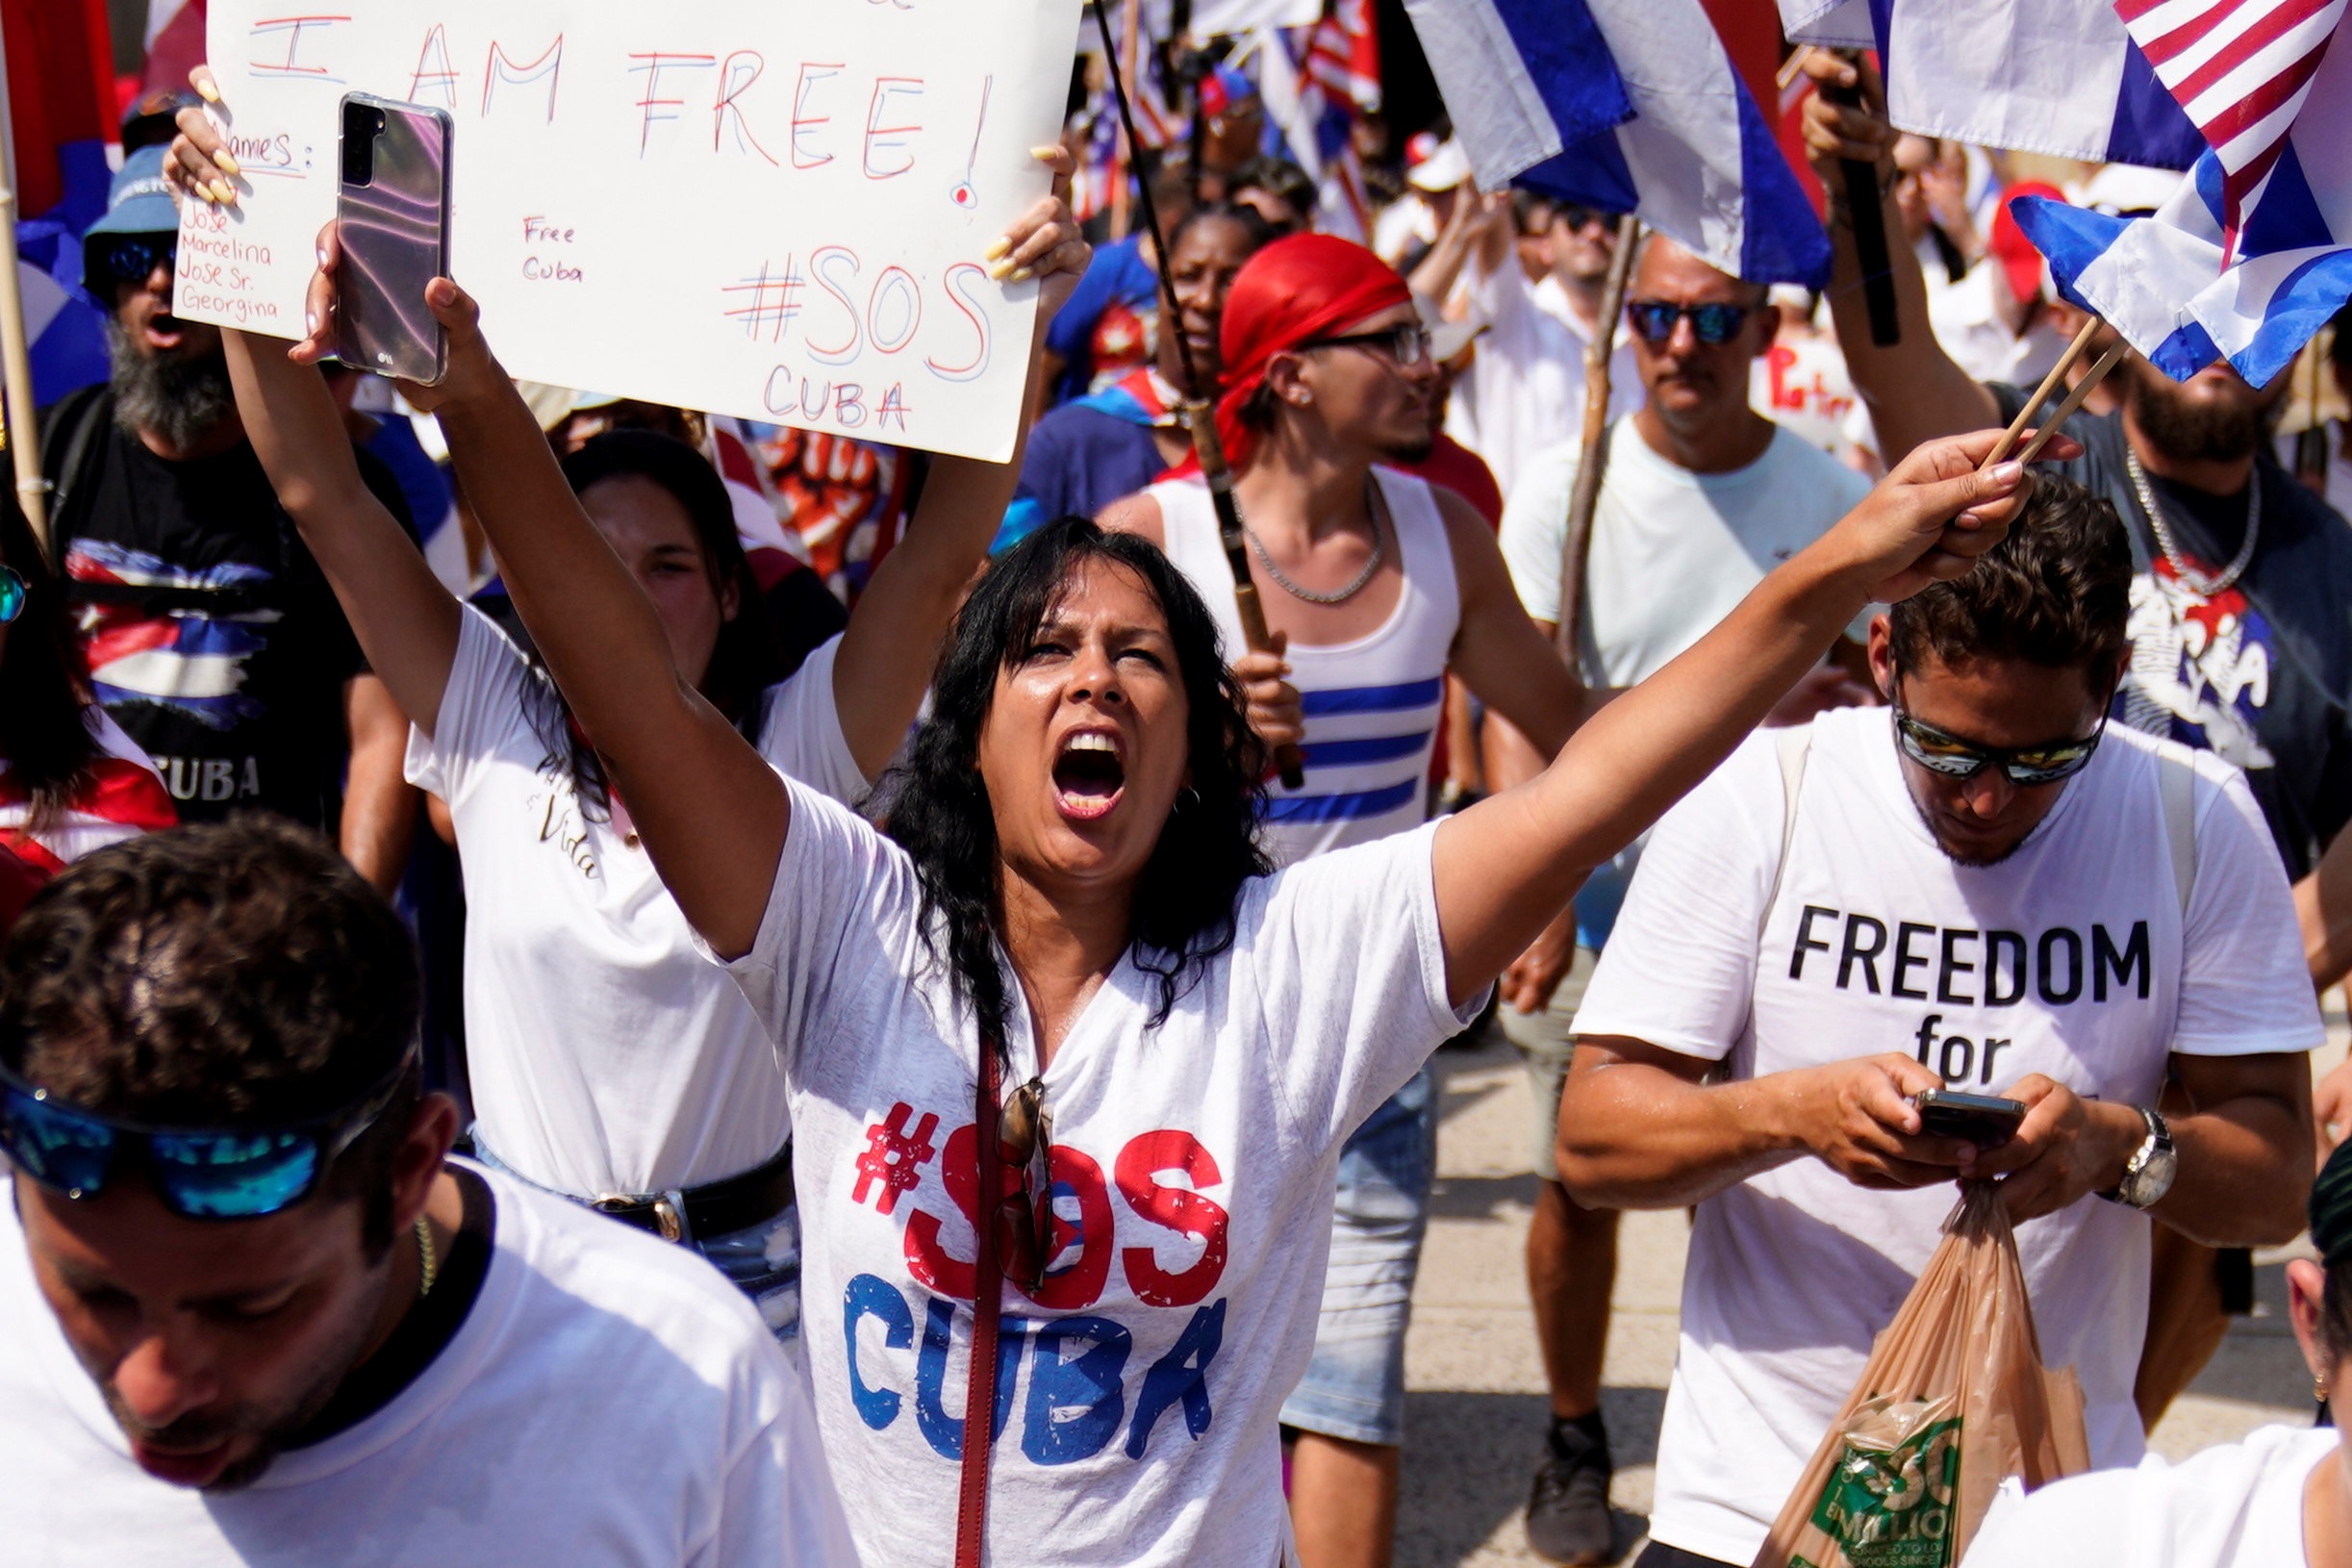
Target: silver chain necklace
(1371, 564)
(2206, 586)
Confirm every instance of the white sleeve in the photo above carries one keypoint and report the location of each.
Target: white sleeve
(844, 905)
(480, 706)
(1680, 968)
(778, 1502)
(2246, 987)
(2074, 1521)
(1352, 974)
(1535, 528)
(800, 732)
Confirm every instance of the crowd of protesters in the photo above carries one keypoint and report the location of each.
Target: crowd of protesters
(465, 854)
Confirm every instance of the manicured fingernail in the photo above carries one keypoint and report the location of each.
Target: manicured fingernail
(999, 246)
(222, 190)
(205, 89)
(999, 272)
(228, 164)
(1046, 155)
(2005, 474)
(203, 191)
(1019, 274)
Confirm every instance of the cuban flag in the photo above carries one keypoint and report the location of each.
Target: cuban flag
(189, 660)
(62, 128)
(2254, 253)
(2061, 77)
(1626, 106)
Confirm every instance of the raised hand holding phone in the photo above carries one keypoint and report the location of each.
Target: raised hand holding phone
(391, 206)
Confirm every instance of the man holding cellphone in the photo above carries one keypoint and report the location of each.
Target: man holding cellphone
(1983, 889)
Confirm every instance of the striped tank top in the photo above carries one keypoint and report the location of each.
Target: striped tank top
(1372, 705)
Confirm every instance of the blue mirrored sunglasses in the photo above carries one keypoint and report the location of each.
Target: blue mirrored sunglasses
(200, 1173)
(12, 594)
(131, 257)
(1654, 320)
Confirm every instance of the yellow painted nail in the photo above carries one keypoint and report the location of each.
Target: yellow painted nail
(202, 190)
(997, 247)
(228, 164)
(1019, 274)
(205, 89)
(1046, 155)
(223, 192)
(999, 270)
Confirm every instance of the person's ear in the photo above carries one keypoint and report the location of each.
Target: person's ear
(730, 597)
(1881, 652)
(2306, 1287)
(1286, 379)
(1768, 330)
(416, 1164)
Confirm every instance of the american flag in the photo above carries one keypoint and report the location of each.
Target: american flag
(2241, 69)
(1317, 81)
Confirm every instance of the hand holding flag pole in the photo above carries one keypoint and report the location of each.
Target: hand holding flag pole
(1200, 414)
(2027, 416)
(1868, 215)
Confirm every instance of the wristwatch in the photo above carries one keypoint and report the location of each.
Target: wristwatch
(2147, 1176)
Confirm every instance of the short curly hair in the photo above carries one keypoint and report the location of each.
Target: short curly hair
(229, 975)
(2056, 593)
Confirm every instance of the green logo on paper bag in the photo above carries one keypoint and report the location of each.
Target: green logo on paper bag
(1891, 1506)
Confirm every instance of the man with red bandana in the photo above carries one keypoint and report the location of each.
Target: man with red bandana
(1374, 585)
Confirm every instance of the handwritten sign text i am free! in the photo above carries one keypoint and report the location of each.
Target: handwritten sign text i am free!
(776, 209)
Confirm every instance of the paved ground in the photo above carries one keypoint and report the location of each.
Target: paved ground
(1476, 1410)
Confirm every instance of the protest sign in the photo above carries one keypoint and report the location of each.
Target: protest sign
(777, 211)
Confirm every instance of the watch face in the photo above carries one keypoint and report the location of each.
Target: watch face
(2146, 1187)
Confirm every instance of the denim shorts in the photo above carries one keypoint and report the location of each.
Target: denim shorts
(1547, 1048)
(762, 1261)
(1354, 1386)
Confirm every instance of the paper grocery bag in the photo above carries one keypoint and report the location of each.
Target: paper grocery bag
(1954, 1401)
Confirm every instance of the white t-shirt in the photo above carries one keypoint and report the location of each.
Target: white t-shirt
(1526, 387)
(2068, 958)
(605, 1056)
(1195, 1166)
(1672, 550)
(2238, 1505)
(610, 1402)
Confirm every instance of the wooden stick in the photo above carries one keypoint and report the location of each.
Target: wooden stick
(2041, 394)
(1790, 66)
(22, 428)
(1130, 48)
(2074, 400)
(1575, 545)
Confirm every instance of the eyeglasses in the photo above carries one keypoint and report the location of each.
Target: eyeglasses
(1025, 1137)
(1952, 757)
(1573, 218)
(133, 257)
(1654, 320)
(14, 591)
(200, 1173)
(1407, 343)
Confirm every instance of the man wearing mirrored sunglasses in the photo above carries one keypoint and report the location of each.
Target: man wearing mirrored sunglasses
(1986, 887)
(256, 1316)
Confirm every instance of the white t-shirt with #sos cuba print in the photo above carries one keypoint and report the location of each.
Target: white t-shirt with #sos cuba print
(1193, 1168)
(2070, 958)
(604, 1054)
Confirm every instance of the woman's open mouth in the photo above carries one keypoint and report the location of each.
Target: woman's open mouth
(1089, 776)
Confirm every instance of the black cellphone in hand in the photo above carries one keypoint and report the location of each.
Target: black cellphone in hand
(1983, 1120)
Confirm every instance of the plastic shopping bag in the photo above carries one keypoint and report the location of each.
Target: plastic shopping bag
(1954, 1401)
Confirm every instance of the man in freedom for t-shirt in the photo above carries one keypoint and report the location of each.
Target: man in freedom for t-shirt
(1976, 888)
(255, 1316)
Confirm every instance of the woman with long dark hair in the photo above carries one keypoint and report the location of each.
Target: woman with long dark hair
(608, 1061)
(1069, 1074)
(70, 781)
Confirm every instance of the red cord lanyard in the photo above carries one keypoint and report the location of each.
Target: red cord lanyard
(987, 1303)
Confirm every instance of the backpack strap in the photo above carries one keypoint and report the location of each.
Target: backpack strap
(1794, 744)
(2176, 786)
(70, 457)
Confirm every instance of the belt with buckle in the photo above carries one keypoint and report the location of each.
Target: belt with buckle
(716, 1208)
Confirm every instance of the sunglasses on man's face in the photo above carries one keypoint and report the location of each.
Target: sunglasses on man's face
(199, 1172)
(134, 258)
(1405, 345)
(1954, 758)
(1654, 320)
(12, 594)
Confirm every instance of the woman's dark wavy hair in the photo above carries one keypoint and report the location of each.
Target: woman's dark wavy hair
(746, 661)
(45, 733)
(940, 813)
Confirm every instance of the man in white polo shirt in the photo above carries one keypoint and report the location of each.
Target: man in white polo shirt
(1983, 887)
(289, 1331)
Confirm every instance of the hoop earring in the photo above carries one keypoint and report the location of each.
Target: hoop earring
(1190, 796)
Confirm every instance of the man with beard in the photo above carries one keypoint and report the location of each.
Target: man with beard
(1375, 584)
(2242, 612)
(1701, 497)
(290, 1330)
(1986, 887)
(212, 639)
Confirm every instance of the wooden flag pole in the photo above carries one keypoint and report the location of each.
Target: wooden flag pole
(1868, 215)
(22, 425)
(2074, 400)
(2049, 383)
(1575, 545)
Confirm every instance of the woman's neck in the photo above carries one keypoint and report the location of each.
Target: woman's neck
(1062, 944)
(2327, 1512)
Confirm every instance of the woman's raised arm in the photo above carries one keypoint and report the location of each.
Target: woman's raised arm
(1506, 866)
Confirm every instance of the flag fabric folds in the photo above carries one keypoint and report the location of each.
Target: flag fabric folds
(1627, 106)
(61, 110)
(2061, 77)
(2181, 285)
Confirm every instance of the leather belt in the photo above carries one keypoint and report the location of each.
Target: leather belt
(716, 1209)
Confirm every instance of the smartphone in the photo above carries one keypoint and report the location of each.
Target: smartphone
(1983, 1120)
(392, 211)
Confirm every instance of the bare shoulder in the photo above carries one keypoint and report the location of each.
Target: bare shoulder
(1478, 559)
(1138, 513)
